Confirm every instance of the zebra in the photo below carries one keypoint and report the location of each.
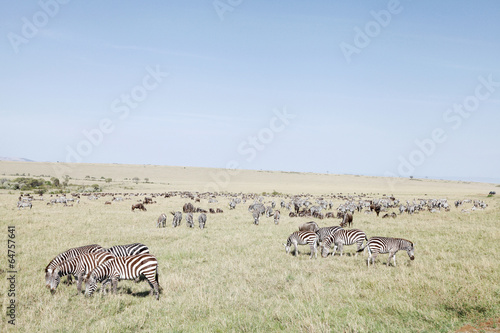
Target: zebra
(256, 217)
(68, 255)
(176, 221)
(277, 216)
(124, 268)
(341, 237)
(80, 266)
(389, 245)
(302, 238)
(162, 221)
(189, 220)
(23, 204)
(202, 220)
(324, 232)
(128, 250)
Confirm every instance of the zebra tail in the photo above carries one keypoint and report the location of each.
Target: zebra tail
(362, 248)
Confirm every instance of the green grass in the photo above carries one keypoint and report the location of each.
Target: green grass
(235, 276)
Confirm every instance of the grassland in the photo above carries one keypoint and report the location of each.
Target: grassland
(235, 276)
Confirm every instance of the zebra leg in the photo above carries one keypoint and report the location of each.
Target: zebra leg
(79, 284)
(114, 282)
(296, 252)
(313, 251)
(341, 248)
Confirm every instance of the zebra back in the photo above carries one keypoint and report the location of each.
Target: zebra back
(128, 250)
(325, 232)
(125, 268)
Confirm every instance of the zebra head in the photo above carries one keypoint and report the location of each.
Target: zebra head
(48, 277)
(324, 251)
(54, 282)
(410, 250)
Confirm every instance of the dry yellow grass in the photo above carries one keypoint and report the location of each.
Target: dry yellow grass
(235, 276)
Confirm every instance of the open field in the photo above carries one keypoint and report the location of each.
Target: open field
(235, 276)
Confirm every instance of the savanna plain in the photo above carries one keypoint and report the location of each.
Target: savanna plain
(234, 276)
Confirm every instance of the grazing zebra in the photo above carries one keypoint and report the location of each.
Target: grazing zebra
(124, 268)
(189, 220)
(23, 204)
(302, 238)
(176, 221)
(325, 232)
(80, 266)
(378, 245)
(277, 216)
(68, 255)
(162, 221)
(128, 250)
(202, 220)
(340, 238)
(256, 217)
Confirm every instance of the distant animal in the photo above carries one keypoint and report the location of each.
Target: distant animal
(188, 208)
(162, 221)
(302, 238)
(68, 255)
(139, 206)
(107, 203)
(189, 220)
(202, 220)
(256, 217)
(376, 245)
(176, 221)
(211, 211)
(79, 267)
(277, 216)
(309, 226)
(218, 211)
(342, 237)
(125, 268)
(23, 204)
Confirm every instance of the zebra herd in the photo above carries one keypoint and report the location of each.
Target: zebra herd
(93, 263)
(161, 222)
(310, 234)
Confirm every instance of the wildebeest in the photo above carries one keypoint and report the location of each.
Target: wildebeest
(162, 221)
(218, 210)
(188, 208)
(347, 219)
(139, 206)
(309, 226)
(176, 221)
(202, 220)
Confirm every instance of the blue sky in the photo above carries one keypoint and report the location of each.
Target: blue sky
(206, 80)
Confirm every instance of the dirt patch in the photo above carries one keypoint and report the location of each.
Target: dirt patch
(492, 325)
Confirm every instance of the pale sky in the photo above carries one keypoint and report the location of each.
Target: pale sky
(394, 88)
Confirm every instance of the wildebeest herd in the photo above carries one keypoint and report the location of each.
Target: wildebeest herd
(94, 264)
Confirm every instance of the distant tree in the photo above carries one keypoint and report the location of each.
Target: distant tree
(146, 180)
(109, 180)
(95, 187)
(55, 181)
(135, 180)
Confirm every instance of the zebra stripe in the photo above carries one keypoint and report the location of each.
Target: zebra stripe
(68, 255)
(80, 266)
(378, 245)
(325, 232)
(342, 237)
(125, 268)
(128, 250)
(302, 238)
